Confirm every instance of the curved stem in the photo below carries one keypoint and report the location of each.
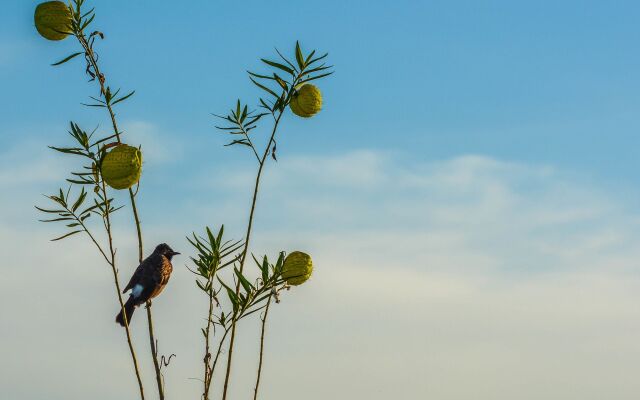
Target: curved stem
(264, 323)
(118, 291)
(101, 80)
(218, 352)
(246, 246)
(207, 357)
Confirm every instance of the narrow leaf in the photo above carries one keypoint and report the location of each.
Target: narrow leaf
(67, 235)
(64, 60)
(277, 65)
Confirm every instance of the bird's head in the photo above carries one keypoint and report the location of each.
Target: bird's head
(165, 250)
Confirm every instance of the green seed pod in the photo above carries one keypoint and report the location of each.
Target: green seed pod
(51, 19)
(297, 268)
(306, 101)
(122, 167)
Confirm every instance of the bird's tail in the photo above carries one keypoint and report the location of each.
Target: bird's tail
(129, 308)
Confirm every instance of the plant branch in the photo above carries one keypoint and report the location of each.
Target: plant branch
(91, 57)
(207, 369)
(107, 220)
(264, 322)
(246, 245)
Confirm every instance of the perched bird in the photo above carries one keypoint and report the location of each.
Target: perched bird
(149, 280)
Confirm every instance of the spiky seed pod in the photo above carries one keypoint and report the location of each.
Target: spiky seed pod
(52, 18)
(297, 268)
(306, 101)
(122, 166)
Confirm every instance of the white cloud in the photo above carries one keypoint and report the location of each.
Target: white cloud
(158, 146)
(464, 278)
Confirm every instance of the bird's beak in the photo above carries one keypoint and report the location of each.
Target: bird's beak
(174, 253)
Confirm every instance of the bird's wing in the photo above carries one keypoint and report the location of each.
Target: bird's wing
(136, 277)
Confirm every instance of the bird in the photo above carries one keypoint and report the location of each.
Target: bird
(148, 280)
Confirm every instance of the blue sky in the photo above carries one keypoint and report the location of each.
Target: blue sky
(551, 82)
(469, 193)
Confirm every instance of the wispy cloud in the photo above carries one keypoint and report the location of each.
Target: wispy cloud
(158, 146)
(464, 278)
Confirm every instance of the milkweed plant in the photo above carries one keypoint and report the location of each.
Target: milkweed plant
(235, 283)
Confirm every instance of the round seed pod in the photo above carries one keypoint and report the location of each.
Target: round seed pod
(306, 101)
(297, 268)
(52, 18)
(122, 166)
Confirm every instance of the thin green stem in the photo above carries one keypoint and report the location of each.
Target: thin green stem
(101, 80)
(118, 291)
(111, 260)
(264, 323)
(246, 246)
(207, 357)
(212, 369)
(246, 135)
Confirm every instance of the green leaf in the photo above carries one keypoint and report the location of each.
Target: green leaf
(317, 69)
(212, 240)
(265, 105)
(265, 273)
(123, 98)
(317, 59)
(248, 287)
(220, 232)
(299, 58)
(244, 113)
(281, 82)
(309, 57)
(239, 141)
(80, 200)
(285, 60)
(259, 76)
(64, 60)
(87, 22)
(57, 219)
(255, 118)
(316, 77)
(65, 236)
(266, 89)
(231, 294)
(277, 65)
(49, 211)
(69, 150)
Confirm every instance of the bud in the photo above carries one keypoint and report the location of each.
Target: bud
(51, 19)
(122, 166)
(297, 268)
(306, 101)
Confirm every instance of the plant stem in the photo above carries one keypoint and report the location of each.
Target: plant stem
(207, 357)
(101, 79)
(111, 260)
(264, 323)
(218, 352)
(246, 246)
(118, 291)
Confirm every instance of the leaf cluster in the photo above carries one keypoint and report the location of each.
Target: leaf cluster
(252, 297)
(80, 21)
(215, 254)
(212, 256)
(69, 211)
(279, 85)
